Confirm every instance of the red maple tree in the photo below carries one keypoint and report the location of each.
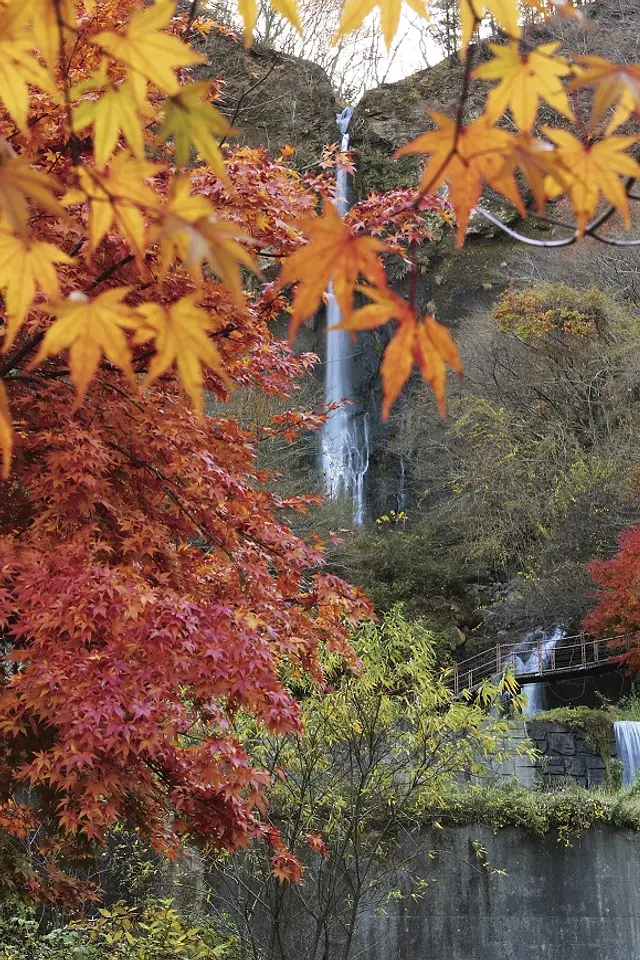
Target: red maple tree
(617, 609)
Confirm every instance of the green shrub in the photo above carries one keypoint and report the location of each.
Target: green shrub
(155, 931)
(567, 813)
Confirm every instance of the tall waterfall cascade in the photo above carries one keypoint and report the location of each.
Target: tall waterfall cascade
(536, 653)
(627, 734)
(345, 438)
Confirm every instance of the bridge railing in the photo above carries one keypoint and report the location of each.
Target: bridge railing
(531, 659)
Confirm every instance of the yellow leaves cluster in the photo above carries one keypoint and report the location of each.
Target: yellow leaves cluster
(467, 157)
(334, 258)
(146, 52)
(191, 229)
(26, 265)
(134, 96)
(616, 86)
(118, 196)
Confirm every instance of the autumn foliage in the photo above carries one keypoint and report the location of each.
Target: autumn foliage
(151, 592)
(617, 609)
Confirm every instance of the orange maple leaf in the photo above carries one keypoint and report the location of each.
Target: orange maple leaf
(285, 867)
(616, 85)
(587, 170)
(424, 342)
(468, 157)
(334, 256)
(317, 844)
(536, 159)
(6, 432)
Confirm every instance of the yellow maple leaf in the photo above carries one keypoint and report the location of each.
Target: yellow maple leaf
(20, 181)
(119, 195)
(525, 80)
(191, 229)
(89, 329)
(248, 10)
(146, 52)
(191, 121)
(587, 170)
(616, 85)
(334, 256)
(19, 67)
(116, 111)
(467, 157)
(564, 9)
(536, 159)
(505, 13)
(6, 432)
(424, 342)
(355, 12)
(45, 31)
(26, 265)
(180, 333)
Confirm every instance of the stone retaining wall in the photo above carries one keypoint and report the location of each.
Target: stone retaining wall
(562, 755)
(565, 755)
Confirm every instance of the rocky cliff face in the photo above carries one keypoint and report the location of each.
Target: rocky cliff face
(270, 98)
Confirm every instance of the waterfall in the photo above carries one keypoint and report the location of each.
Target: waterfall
(402, 493)
(345, 438)
(627, 734)
(535, 655)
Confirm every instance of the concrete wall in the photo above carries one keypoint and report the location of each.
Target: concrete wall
(554, 903)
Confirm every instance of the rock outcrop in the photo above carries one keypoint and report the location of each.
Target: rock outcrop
(272, 99)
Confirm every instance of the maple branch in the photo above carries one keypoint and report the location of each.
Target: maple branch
(164, 479)
(20, 354)
(109, 271)
(193, 13)
(591, 230)
(73, 140)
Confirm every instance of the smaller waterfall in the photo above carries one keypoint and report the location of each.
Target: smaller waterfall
(627, 734)
(345, 438)
(537, 649)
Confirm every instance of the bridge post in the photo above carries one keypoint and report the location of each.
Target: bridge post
(539, 655)
(583, 649)
(456, 680)
(498, 659)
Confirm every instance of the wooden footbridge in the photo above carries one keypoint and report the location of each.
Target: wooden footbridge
(539, 661)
